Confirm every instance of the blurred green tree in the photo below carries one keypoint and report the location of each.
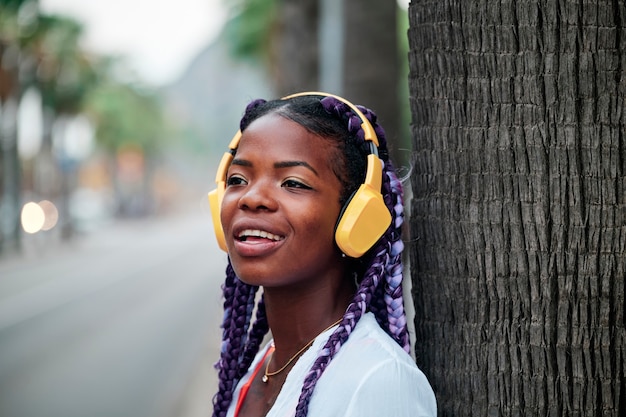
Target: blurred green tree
(63, 72)
(126, 115)
(43, 52)
(130, 126)
(249, 30)
(15, 22)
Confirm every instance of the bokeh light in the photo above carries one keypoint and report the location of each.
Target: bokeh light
(33, 217)
(51, 214)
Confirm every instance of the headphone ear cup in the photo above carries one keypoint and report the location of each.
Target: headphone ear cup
(217, 196)
(215, 202)
(364, 220)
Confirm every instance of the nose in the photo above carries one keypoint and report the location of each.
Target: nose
(259, 195)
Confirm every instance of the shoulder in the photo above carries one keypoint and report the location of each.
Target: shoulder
(372, 375)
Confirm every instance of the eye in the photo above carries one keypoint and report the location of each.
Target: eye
(291, 183)
(235, 180)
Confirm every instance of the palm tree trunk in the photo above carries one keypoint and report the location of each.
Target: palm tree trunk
(294, 51)
(519, 205)
(10, 167)
(372, 64)
(369, 71)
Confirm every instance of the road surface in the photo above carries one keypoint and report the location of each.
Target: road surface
(122, 322)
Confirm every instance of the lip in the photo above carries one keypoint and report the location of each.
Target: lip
(255, 247)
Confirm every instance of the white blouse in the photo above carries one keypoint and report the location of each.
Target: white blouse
(371, 375)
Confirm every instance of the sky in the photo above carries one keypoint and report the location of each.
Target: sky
(158, 37)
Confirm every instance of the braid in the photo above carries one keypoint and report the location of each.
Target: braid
(380, 290)
(257, 333)
(228, 290)
(397, 324)
(238, 306)
(222, 399)
(379, 307)
(392, 192)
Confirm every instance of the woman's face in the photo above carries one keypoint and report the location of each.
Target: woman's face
(281, 205)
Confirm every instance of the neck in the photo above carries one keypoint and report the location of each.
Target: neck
(295, 319)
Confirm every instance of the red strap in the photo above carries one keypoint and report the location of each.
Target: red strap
(246, 386)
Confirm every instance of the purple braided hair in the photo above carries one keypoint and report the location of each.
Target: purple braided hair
(238, 345)
(380, 289)
(384, 274)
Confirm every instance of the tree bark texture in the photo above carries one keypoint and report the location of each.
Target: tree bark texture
(518, 223)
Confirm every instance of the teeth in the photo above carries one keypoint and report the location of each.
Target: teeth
(259, 233)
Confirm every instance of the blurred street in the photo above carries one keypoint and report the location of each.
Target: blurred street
(121, 322)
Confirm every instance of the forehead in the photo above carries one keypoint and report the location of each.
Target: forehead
(276, 138)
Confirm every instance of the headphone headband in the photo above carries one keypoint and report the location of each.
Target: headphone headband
(368, 129)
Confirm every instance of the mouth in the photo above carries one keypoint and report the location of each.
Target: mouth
(258, 236)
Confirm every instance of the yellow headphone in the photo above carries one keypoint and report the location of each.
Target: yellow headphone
(364, 217)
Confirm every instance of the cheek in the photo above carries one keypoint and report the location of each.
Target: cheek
(323, 223)
(226, 211)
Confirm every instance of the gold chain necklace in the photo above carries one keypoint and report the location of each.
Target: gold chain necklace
(267, 374)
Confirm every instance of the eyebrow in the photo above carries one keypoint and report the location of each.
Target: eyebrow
(288, 164)
(282, 164)
(241, 162)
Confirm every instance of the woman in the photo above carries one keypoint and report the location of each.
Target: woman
(298, 209)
